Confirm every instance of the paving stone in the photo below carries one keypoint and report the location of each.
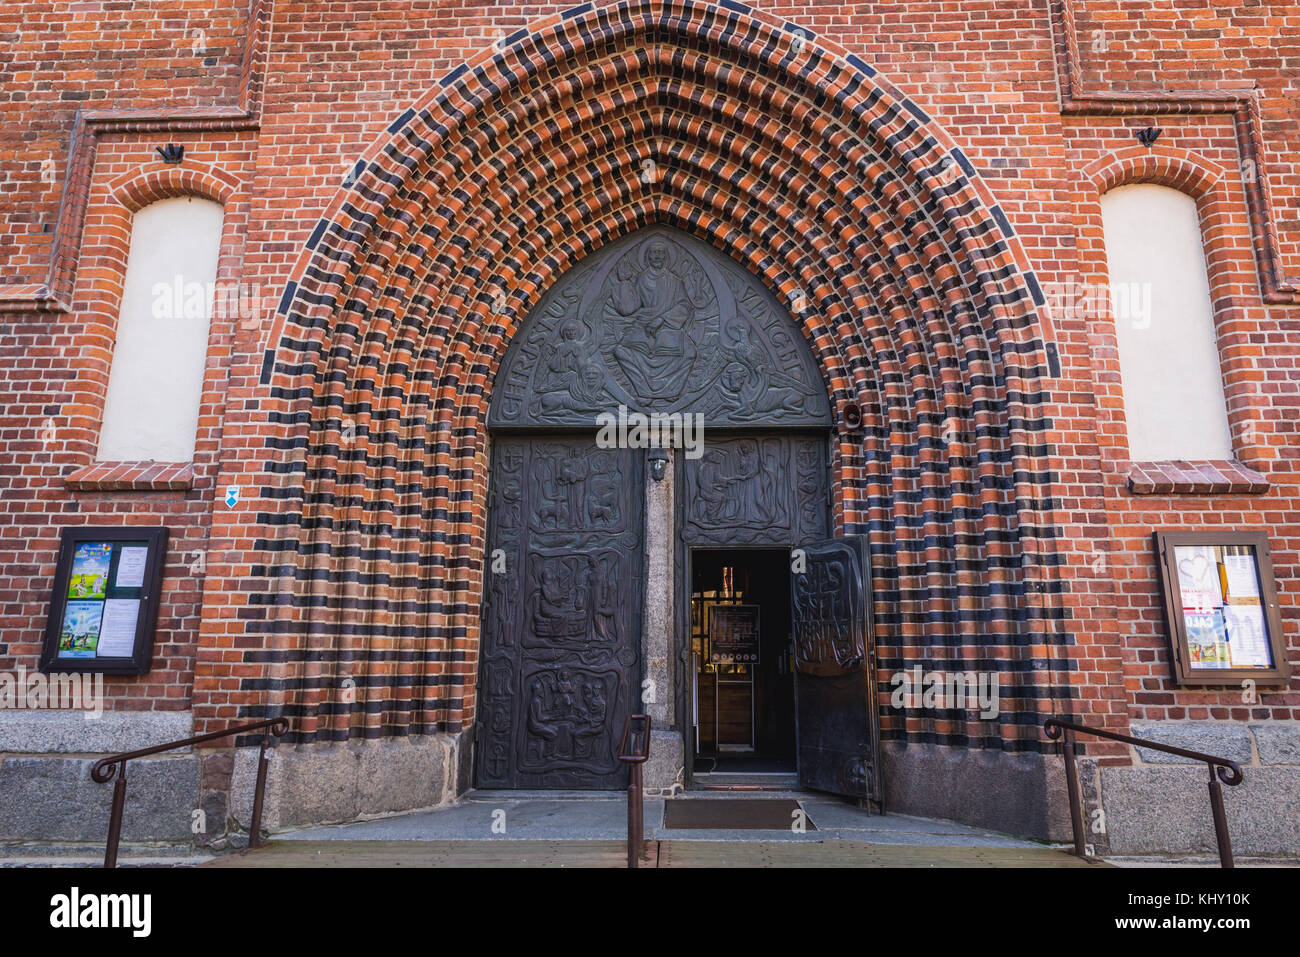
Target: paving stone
(387, 854)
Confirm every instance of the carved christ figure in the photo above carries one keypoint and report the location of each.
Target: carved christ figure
(656, 353)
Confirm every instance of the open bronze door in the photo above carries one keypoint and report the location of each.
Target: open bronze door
(837, 722)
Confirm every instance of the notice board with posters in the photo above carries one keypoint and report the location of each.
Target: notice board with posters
(1221, 608)
(104, 606)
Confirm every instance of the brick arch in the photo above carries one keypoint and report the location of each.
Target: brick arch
(1169, 166)
(136, 189)
(792, 156)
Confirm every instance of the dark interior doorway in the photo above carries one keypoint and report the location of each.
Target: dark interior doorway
(741, 664)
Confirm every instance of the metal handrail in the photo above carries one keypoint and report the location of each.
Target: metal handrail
(633, 751)
(105, 769)
(1221, 769)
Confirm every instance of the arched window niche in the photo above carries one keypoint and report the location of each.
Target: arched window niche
(1170, 369)
(155, 383)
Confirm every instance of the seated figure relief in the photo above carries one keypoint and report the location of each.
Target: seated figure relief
(568, 714)
(657, 352)
(569, 379)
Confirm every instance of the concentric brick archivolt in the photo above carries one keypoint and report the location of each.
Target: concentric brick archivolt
(796, 160)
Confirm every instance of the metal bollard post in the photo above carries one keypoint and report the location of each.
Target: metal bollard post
(635, 817)
(633, 751)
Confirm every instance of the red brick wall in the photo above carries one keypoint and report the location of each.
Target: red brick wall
(337, 74)
(1196, 46)
(55, 373)
(65, 57)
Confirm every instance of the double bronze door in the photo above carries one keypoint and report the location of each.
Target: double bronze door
(561, 638)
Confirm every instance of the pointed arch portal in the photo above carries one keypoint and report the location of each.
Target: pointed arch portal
(666, 329)
(785, 155)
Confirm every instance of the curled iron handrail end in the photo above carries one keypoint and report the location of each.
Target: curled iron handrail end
(103, 770)
(280, 727)
(1229, 772)
(1054, 728)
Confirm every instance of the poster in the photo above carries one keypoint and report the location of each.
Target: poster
(733, 635)
(1198, 578)
(131, 563)
(1243, 580)
(117, 631)
(79, 635)
(1247, 636)
(1207, 639)
(89, 576)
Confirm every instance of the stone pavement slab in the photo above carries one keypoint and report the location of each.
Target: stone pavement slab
(409, 854)
(501, 816)
(602, 816)
(839, 853)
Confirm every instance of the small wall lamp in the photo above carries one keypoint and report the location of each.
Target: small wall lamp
(658, 464)
(850, 417)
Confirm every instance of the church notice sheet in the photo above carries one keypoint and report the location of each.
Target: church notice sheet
(131, 564)
(117, 632)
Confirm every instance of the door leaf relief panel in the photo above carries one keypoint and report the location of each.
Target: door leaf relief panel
(755, 490)
(827, 614)
(561, 631)
(837, 722)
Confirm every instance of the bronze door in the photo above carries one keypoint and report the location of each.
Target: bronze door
(562, 613)
(837, 723)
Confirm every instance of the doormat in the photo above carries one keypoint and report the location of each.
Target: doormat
(732, 814)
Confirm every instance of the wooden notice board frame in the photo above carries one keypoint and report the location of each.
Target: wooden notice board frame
(1193, 613)
(118, 580)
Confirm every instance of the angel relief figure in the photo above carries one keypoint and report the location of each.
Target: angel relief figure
(570, 378)
(750, 386)
(656, 352)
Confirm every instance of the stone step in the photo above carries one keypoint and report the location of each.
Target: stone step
(749, 781)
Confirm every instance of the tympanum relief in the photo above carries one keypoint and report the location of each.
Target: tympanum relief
(659, 322)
